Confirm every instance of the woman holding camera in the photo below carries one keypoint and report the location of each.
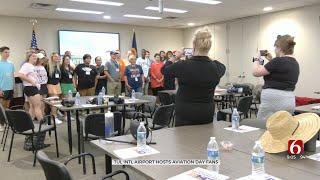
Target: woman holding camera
(280, 75)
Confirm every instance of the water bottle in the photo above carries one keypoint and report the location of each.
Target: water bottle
(100, 98)
(213, 154)
(133, 94)
(103, 90)
(70, 96)
(257, 161)
(235, 119)
(141, 138)
(108, 124)
(77, 101)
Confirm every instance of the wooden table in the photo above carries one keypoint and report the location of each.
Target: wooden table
(77, 108)
(307, 108)
(189, 142)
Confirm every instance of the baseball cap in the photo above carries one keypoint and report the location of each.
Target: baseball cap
(40, 55)
(113, 52)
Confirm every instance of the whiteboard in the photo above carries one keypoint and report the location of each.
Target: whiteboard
(93, 43)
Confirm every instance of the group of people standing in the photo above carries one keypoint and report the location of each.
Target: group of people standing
(49, 76)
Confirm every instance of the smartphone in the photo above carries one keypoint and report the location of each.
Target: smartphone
(263, 52)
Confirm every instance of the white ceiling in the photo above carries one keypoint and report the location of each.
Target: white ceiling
(197, 13)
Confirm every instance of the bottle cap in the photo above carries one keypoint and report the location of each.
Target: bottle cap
(212, 138)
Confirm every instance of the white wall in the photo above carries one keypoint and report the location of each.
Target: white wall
(15, 32)
(244, 37)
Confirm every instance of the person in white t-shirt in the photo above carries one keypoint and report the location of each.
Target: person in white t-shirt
(29, 77)
(145, 62)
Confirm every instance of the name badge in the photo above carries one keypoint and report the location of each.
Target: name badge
(70, 76)
(57, 75)
(87, 72)
(136, 79)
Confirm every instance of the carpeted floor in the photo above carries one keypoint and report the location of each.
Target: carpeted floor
(20, 167)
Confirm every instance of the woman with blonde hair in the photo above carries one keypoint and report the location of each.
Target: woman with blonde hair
(197, 79)
(54, 77)
(29, 77)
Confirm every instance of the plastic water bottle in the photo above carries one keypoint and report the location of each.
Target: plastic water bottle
(213, 154)
(257, 161)
(77, 101)
(100, 98)
(103, 90)
(108, 124)
(235, 119)
(133, 94)
(70, 96)
(141, 138)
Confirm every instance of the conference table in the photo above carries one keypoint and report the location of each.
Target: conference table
(308, 108)
(190, 142)
(226, 97)
(84, 106)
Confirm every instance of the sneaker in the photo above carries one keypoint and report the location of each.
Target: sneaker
(1, 128)
(57, 121)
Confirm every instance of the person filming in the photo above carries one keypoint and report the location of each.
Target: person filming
(280, 76)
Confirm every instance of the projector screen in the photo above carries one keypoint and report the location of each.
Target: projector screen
(93, 43)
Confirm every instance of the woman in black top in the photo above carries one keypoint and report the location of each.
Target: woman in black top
(53, 84)
(197, 78)
(67, 79)
(102, 78)
(281, 76)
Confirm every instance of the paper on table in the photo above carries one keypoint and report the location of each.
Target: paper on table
(89, 105)
(315, 157)
(198, 174)
(242, 129)
(268, 177)
(129, 153)
(110, 96)
(316, 108)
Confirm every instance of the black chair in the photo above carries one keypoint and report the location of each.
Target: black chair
(21, 122)
(243, 107)
(55, 170)
(161, 118)
(256, 92)
(166, 98)
(4, 119)
(148, 108)
(95, 125)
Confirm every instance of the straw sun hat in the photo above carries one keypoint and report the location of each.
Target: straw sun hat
(282, 126)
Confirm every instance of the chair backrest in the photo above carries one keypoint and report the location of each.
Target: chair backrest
(138, 95)
(19, 120)
(3, 117)
(256, 92)
(53, 170)
(150, 107)
(163, 115)
(165, 98)
(94, 124)
(244, 104)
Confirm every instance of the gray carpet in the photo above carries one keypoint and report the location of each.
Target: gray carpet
(20, 166)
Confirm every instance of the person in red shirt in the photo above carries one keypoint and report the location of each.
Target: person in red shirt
(156, 75)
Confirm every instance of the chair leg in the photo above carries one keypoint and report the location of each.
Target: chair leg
(9, 155)
(56, 138)
(5, 138)
(34, 158)
(4, 133)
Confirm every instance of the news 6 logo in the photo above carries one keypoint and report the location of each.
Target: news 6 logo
(295, 147)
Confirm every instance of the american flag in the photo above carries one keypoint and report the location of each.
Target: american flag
(34, 44)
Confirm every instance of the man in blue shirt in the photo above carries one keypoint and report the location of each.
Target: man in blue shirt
(134, 77)
(6, 80)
